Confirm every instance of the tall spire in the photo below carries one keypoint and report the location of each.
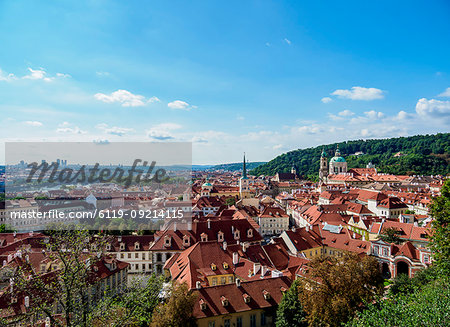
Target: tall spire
(337, 153)
(244, 169)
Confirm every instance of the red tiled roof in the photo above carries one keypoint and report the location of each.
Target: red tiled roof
(235, 295)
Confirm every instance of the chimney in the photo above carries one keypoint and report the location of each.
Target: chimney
(256, 266)
(198, 285)
(224, 245)
(307, 228)
(244, 246)
(263, 271)
(354, 235)
(175, 226)
(209, 223)
(238, 282)
(235, 258)
(189, 225)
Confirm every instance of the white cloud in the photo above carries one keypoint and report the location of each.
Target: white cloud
(365, 132)
(346, 113)
(433, 108)
(372, 114)
(114, 130)
(360, 93)
(403, 115)
(38, 74)
(67, 128)
(268, 44)
(446, 93)
(163, 131)
(6, 77)
(240, 117)
(63, 75)
(103, 74)
(287, 41)
(326, 99)
(33, 123)
(181, 105)
(126, 98)
(341, 115)
(153, 99)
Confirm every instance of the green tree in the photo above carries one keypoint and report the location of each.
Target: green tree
(290, 311)
(336, 287)
(428, 307)
(133, 307)
(177, 311)
(68, 284)
(230, 201)
(440, 239)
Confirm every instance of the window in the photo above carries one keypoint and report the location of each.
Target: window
(252, 320)
(375, 250)
(263, 318)
(223, 280)
(226, 323)
(214, 281)
(211, 324)
(230, 279)
(385, 252)
(159, 257)
(239, 322)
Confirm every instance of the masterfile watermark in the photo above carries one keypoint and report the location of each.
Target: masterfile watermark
(97, 174)
(104, 186)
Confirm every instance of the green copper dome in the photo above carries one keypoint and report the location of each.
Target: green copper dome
(337, 159)
(207, 184)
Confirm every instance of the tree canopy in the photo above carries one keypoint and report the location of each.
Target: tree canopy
(421, 155)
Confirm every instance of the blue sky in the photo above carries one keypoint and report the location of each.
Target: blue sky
(263, 77)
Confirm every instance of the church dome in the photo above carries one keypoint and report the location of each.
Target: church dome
(337, 159)
(206, 184)
(337, 156)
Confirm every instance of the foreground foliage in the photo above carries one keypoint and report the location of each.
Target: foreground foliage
(337, 286)
(429, 306)
(290, 310)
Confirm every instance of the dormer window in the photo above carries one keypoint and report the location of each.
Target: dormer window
(186, 241)
(108, 247)
(122, 246)
(167, 241)
(213, 266)
(250, 233)
(225, 265)
(247, 298)
(224, 301)
(137, 246)
(202, 304)
(220, 237)
(266, 295)
(237, 234)
(204, 237)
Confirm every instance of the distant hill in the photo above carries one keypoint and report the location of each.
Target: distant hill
(420, 155)
(236, 166)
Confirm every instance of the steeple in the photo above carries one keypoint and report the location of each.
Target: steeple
(337, 153)
(244, 169)
(324, 154)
